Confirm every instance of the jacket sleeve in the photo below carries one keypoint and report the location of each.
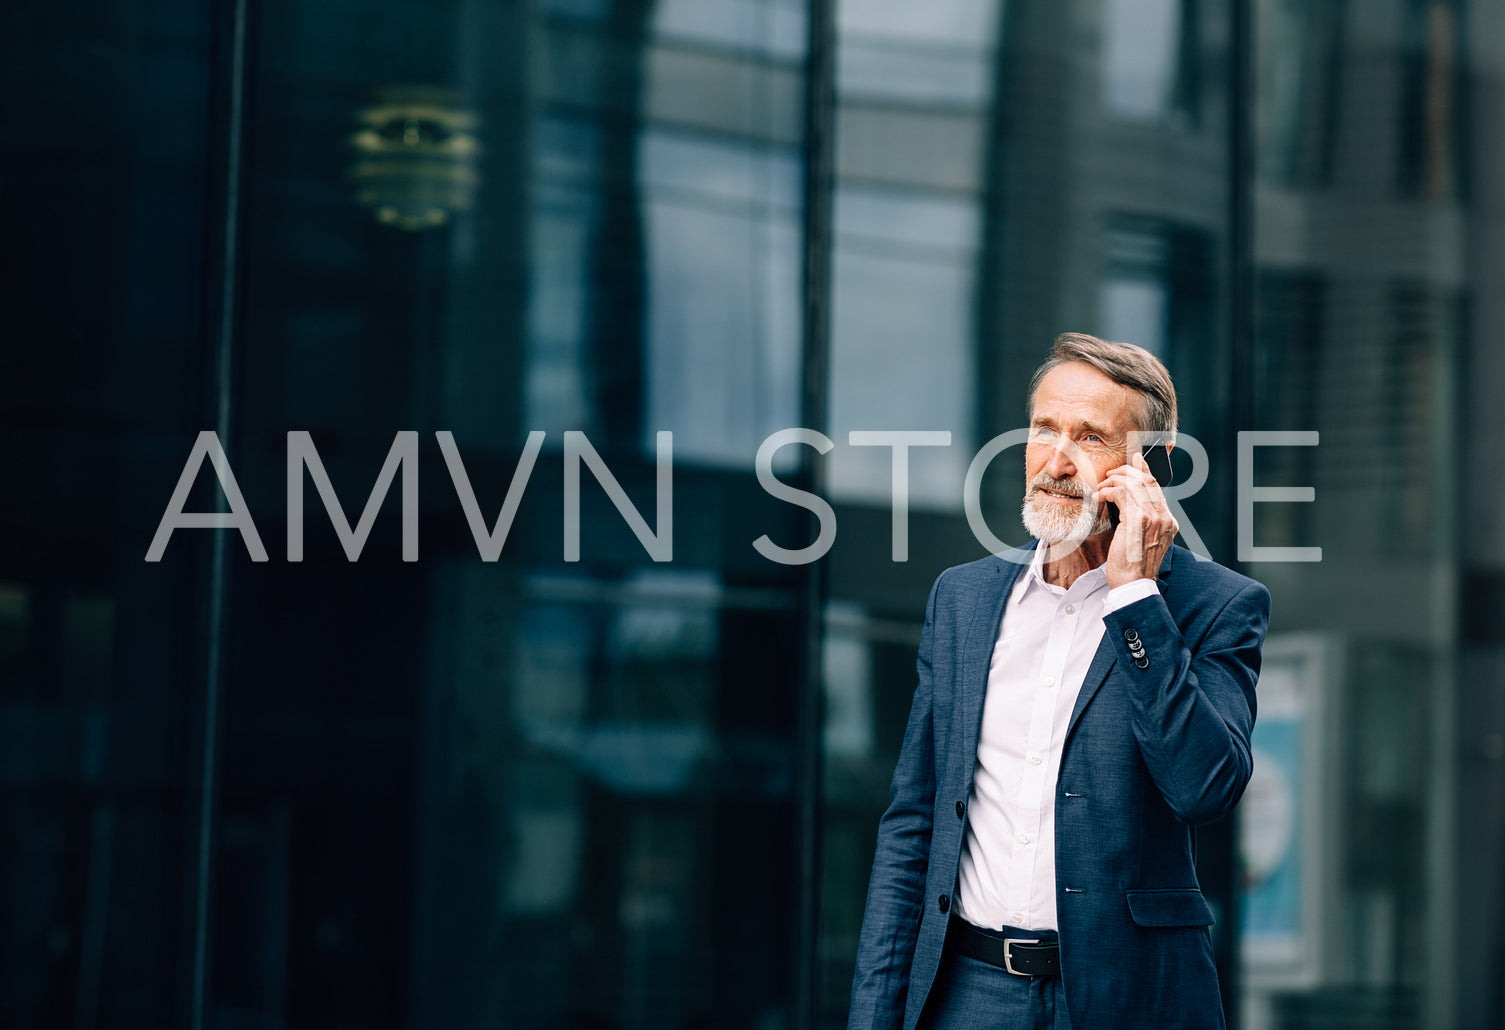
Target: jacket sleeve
(1193, 706)
(896, 889)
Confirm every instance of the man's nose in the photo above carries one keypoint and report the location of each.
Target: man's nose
(1059, 464)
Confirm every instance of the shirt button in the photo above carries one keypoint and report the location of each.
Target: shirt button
(1070, 609)
(1017, 917)
(1034, 759)
(1024, 838)
(1050, 681)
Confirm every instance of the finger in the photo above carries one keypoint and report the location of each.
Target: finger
(1137, 501)
(1127, 487)
(1130, 528)
(1146, 475)
(1135, 469)
(1114, 494)
(1143, 486)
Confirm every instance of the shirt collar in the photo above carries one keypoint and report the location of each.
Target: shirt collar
(1034, 577)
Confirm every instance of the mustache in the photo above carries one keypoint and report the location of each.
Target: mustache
(1069, 487)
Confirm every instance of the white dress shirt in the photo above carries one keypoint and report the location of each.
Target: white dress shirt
(1044, 646)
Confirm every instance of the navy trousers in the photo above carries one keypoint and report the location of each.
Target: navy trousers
(970, 994)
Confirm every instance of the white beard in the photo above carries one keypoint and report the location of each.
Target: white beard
(1053, 523)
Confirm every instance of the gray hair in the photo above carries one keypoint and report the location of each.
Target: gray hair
(1126, 365)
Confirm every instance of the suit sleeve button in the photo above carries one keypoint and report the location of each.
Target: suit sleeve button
(943, 903)
(1143, 663)
(1131, 635)
(961, 810)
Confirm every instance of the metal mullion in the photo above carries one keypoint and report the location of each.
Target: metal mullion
(819, 146)
(221, 386)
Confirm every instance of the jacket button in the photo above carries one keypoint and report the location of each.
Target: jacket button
(1143, 663)
(943, 903)
(1131, 635)
(961, 810)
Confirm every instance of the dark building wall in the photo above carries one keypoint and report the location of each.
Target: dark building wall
(549, 792)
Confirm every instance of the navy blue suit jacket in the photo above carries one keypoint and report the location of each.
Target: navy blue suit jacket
(1150, 753)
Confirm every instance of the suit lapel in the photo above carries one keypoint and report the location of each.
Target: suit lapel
(1106, 655)
(1097, 672)
(977, 648)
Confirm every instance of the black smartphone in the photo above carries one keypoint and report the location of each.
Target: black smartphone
(1159, 460)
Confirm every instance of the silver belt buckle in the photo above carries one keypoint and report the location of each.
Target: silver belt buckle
(1008, 953)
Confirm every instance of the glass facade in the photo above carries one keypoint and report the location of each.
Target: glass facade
(540, 737)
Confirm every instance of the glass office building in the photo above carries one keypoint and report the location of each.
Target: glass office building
(599, 760)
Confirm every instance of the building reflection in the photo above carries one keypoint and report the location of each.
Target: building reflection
(617, 792)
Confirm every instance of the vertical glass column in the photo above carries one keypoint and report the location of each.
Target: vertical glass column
(517, 780)
(107, 166)
(1351, 834)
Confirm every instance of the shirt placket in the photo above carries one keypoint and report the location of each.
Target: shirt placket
(1037, 772)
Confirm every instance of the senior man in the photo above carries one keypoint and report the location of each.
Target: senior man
(1082, 705)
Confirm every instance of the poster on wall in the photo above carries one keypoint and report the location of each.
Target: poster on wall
(1279, 818)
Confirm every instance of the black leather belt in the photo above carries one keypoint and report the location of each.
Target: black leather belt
(1021, 955)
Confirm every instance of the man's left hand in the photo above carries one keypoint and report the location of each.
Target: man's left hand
(1146, 527)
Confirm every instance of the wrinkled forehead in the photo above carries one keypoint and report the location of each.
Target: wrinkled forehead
(1075, 394)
